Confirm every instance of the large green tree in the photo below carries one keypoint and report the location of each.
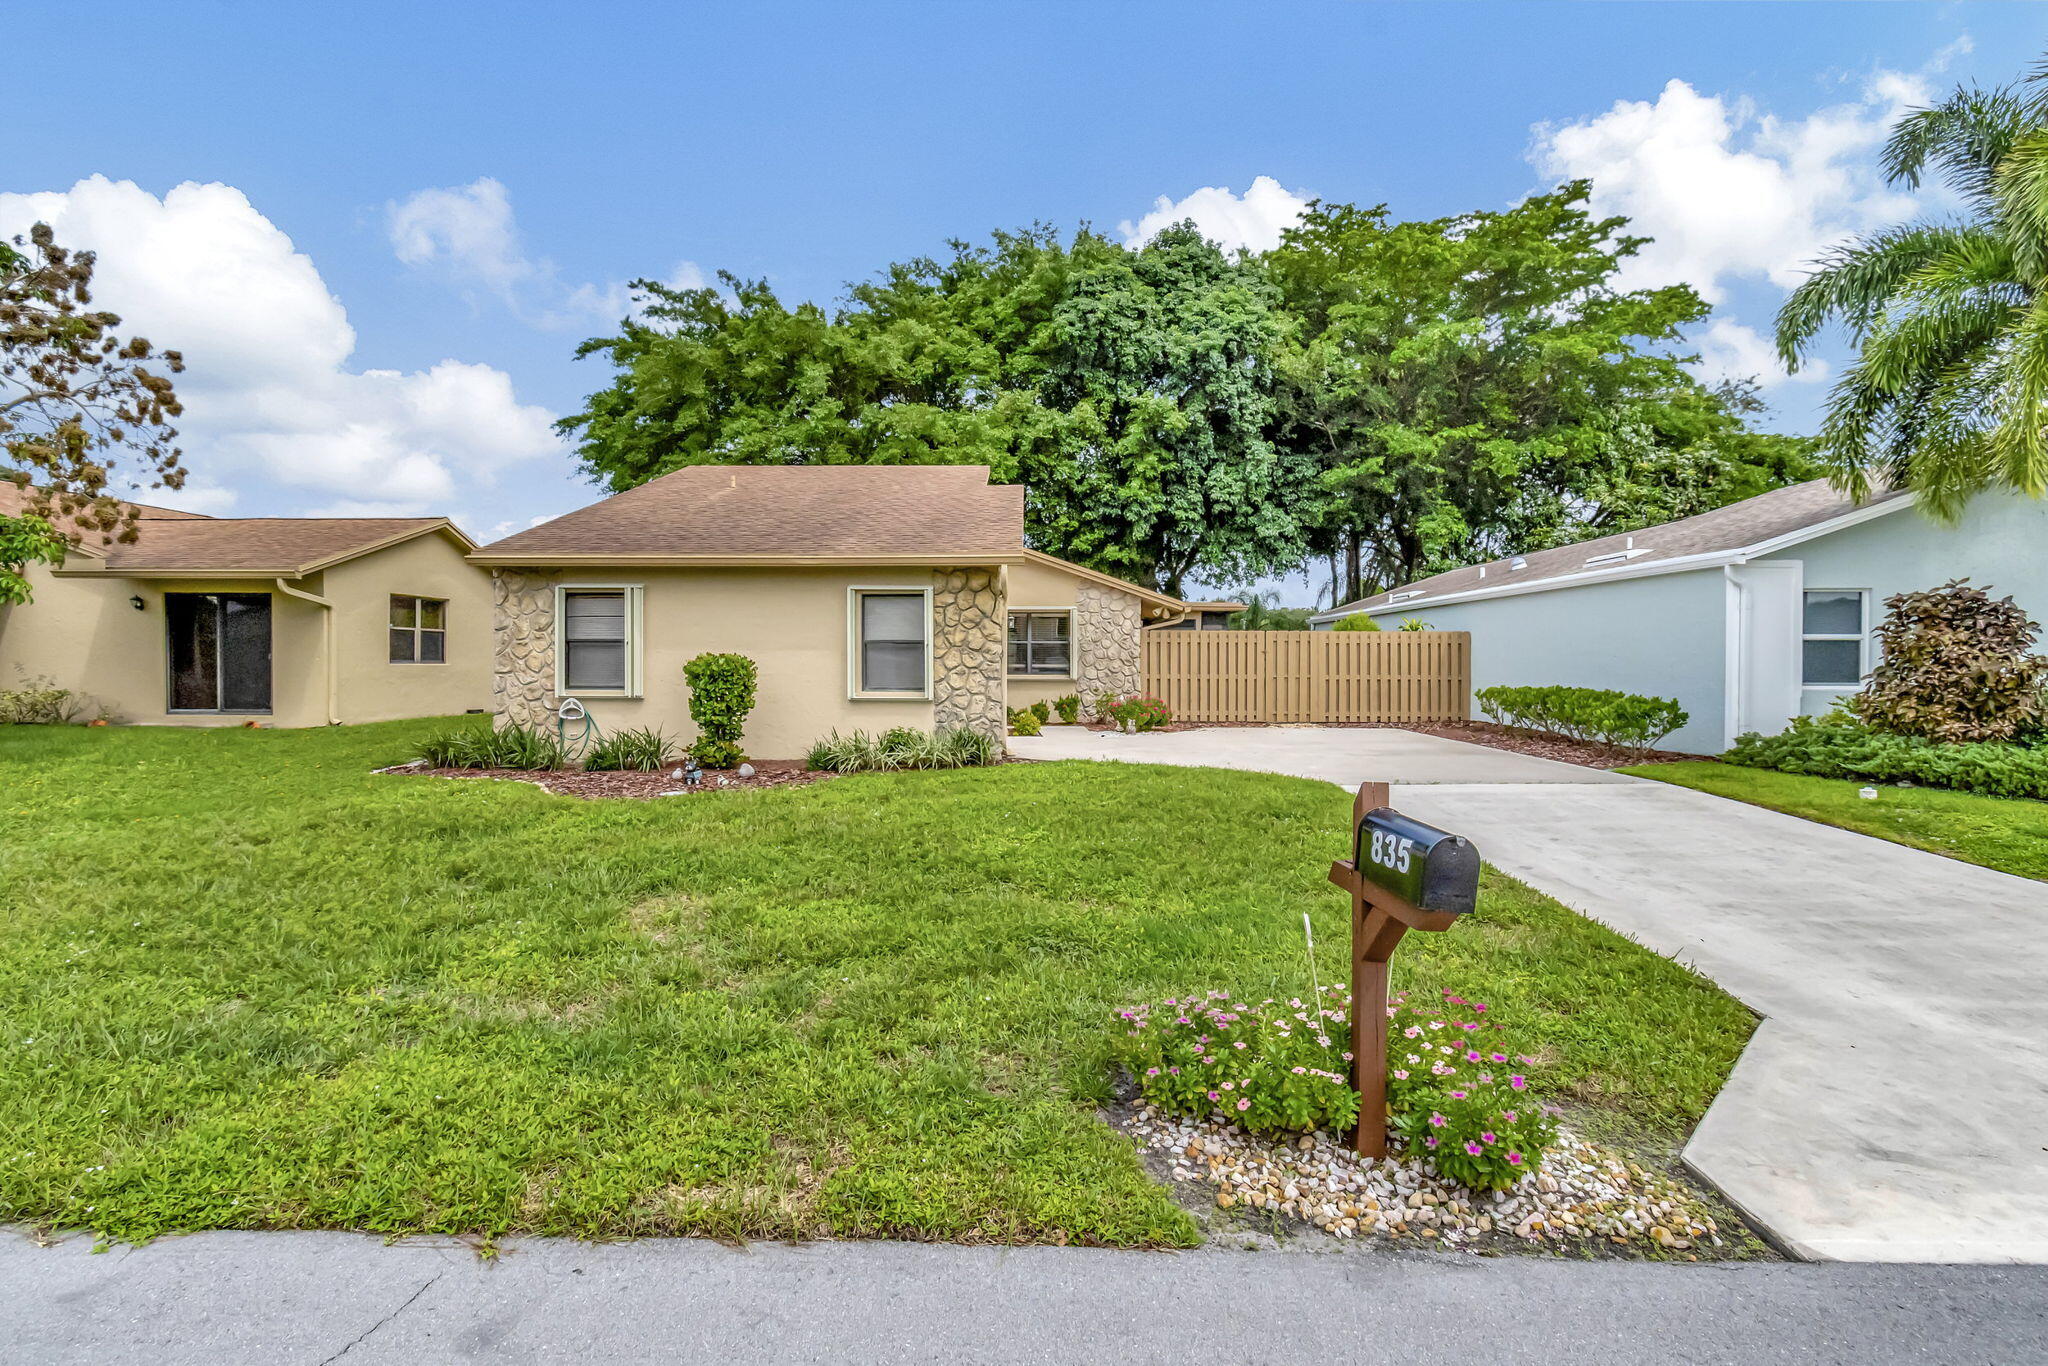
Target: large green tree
(1130, 391)
(1476, 385)
(1948, 394)
(76, 398)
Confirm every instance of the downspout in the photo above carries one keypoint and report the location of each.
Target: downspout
(326, 642)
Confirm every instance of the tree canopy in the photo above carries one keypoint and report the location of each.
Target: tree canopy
(1399, 396)
(75, 398)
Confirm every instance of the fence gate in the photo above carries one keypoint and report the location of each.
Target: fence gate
(1311, 677)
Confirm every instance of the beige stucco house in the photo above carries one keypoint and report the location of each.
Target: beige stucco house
(287, 621)
(868, 597)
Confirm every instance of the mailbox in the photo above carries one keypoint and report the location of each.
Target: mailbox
(1430, 869)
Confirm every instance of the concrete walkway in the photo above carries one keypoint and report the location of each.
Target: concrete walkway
(310, 1299)
(1893, 1105)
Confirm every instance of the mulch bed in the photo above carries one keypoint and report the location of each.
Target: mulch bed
(578, 783)
(1582, 753)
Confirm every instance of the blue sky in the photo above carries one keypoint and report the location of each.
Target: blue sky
(398, 221)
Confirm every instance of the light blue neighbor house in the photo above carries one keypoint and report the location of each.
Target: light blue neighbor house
(1749, 615)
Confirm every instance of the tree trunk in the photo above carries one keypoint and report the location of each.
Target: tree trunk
(1353, 579)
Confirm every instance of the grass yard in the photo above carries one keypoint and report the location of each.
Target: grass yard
(2006, 833)
(244, 983)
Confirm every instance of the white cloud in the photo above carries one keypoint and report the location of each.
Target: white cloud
(1253, 220)
(1734, 194)
(268, 391)
(1732, 350)
(1728, 191)
(468, 234)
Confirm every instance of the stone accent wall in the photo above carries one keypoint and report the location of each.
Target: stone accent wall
(969, 634)
(523, 637)
(1106, 624)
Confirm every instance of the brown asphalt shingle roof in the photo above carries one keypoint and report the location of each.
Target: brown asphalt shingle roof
(800, 511)
(168, 541)
(1734, 527)
(272, 544)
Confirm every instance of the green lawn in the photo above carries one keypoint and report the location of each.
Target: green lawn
(2010, 834)
(245, 983)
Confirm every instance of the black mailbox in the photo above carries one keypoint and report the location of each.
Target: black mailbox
(1430, 869)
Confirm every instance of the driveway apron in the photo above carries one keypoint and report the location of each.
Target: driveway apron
(1893, 1104)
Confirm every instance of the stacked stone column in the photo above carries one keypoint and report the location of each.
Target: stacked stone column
(523, 646)
(969, 636)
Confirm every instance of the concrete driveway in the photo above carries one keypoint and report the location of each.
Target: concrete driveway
(1893, 1105)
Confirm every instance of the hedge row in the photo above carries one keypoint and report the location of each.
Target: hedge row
(1827, 748)
(1590, 714)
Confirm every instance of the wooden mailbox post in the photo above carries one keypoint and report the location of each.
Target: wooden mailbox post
(1402, 875)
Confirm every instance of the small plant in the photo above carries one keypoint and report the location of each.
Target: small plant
(1041, 709)
(1024, 721)
(1068, 707)
(40, 702)
(1593, 715)
(1357, 621)
(1136, 713)
(642, 751)
(512, 746)
(903, 747)
(1955, 666)
(1099, 705)
(721, 696)
(1414, 624)
(1458, 1095)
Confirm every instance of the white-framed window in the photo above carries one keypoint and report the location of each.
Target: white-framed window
(419, 630)
(889, 642)
(1041, 642)
(598, 645)
(1834, 643)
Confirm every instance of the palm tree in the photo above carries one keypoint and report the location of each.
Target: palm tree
(1949, 392)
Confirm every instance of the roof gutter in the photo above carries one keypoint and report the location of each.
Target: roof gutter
(326, 644)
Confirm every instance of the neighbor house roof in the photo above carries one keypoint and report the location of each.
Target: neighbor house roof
(786, 514)
(16, 500)
(1738, 531)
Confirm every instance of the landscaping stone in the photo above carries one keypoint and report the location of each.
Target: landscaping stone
(1584, 1194)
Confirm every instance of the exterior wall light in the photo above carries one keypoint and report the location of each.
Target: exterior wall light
(137, 603)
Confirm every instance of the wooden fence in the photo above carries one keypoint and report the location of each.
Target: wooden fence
(1311, 677)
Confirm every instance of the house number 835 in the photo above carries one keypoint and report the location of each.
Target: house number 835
(1392, 851)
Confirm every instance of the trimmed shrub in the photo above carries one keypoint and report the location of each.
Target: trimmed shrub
(1596, 715)
(1041, 709)
(1068, 707)
(1456, 1092)
(902, 747)
(1024, 721)
(721, 696)
(514, 746)
(641, 751)
(1832, 747)
(1955, 666)
(1357, 621)
(1099, 705)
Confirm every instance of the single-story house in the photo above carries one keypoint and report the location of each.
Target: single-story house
(1203, 616)
(1749, 615)
(868, 596)
(290, 621)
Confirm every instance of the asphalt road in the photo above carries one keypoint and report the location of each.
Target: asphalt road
(285, 1299)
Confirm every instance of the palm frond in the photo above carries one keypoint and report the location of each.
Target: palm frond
(2020, 443)
(1963, 138)
(2022, 184)
(1855, 282)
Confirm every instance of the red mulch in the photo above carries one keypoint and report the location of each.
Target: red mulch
(1542, 746)
(630, 784)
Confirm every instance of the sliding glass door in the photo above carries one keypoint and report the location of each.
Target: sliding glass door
(219, 651)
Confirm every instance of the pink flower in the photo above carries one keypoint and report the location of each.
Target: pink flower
(1244, 1105)
(1518, 1081)
(1473, 1148)
(1500, 1057)
(1430, 1141)
(1412, 1032)
(1472, 1055)
(1486, 1078)
(1214, 1096)
(1457, 1095)
(1508, 1115)
(1487, 1138)
(1437, 1121)
(1230, 1086)
(1398, 1074)
(1175, 1071)
(1514, 1159)
(1300, 1071)
(1238, 1044)
(1151, 1071)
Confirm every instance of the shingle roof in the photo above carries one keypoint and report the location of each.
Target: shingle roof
(15, 500)
(271, 545)
(849, 512)
(1734, 527)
